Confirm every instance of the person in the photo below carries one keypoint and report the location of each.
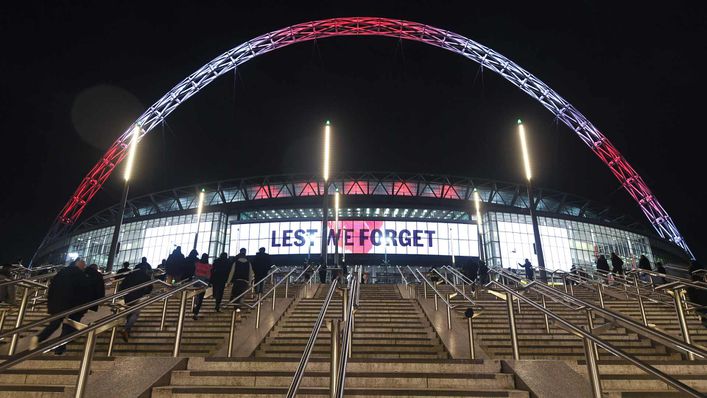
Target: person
(145, 265)
(124, 270)
(139, 276)
(322, 271)
(202, 272)
(67, 290)
(364, 278)
(97, 288)
(644, 264)
(7, 292)
(219, 277)
(189, 265)
(471, 268)
(241, 276)
(696, 295)
(659, 280)
(602, 265)
(617, 264)
(483, 273)
(432, 275)
(261, 267)
(162, 267)
(529, 272)
(173, 267)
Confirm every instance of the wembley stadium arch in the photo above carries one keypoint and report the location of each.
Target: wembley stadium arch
(369, 26)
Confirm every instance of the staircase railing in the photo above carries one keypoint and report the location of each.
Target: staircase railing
(299, 373)
(257, 304)
(346, 337)
(92, 330)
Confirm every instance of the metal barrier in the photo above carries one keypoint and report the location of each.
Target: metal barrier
(299, 373)
(97, 327)
(337, 390)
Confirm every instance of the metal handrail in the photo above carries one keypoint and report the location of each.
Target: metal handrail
(82, 307)
(413, 274)
(405, 280)
(345, 337)
(92, 330)
(25, 280)
(299, 373)
(263, 296)
(629, 323)
(601, 343)
(459, 291)
(434, 289)
(684, 281)
(459, 275)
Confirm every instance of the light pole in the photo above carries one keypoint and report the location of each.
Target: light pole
(113, 251)
(325, 204)
(479, 225)
(531, 204)
(198, 216)
(451, 246)
(336, 228)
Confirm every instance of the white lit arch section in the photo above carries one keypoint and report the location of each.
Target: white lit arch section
(371, 26)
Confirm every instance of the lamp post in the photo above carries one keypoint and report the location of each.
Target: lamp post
(336, 228)
(531, 204)
(113, 251)
(198, 216)
(325, 204)
(451, 246)
(479, 225)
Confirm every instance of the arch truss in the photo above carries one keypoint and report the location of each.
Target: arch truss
(372, 26)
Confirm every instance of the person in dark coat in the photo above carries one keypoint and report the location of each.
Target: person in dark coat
(695, 295)
(137, 277)
(483, 273)
(202, 271)
(261, 267)
(124, 270)
(602, 265)
(241, 276)
(659, 280)
(529, 272)
(67, 289)
(322, 271)
(617, 264)
(471, 268)
(173, 267)
(643, 263)
(98, 285)
(189, 265)
(219, 277)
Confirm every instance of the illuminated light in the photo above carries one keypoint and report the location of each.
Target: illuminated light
(327, 141)
(200, 208)
(131, 152)
(478, 207)
(524, 147)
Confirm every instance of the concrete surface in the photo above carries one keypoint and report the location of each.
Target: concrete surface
(547, 379)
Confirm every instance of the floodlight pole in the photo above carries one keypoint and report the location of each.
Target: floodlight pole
(113, 251)
(198, 216)
(479, 225)
(531, 204)
(337, 238)
(325, 194)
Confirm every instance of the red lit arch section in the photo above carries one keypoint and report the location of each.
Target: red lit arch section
(371, 26)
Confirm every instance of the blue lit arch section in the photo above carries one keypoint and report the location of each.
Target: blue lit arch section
(372, 26)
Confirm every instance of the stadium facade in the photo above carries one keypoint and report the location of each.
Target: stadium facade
(401, 218)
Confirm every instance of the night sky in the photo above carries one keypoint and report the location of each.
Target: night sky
(76, 74)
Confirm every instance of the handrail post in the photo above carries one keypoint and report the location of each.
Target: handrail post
(274, 294)
(564, 282)
(436, 304)
(180, 323)
(683, 323)
(472, 349)
(232, 332)
(547, 321)
(334, 363)
(3, 315)
(600, 290)
(111, 341)
(512, 325)
(164, 314)
(344, 304)
(449, 313)
(640, 301)
(590, 327)
(572, 289)
(85, 364)
(287, 286)
(425, 285)
(257, 313)
(18, 321)
(592, 368)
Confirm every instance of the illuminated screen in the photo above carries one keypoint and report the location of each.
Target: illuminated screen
(358, 237)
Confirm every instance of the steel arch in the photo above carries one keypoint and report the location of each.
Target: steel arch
(373, 26)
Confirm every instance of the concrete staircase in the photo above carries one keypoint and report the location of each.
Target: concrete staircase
(395, 352)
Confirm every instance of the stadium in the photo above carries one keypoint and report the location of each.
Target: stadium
(384, 218)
